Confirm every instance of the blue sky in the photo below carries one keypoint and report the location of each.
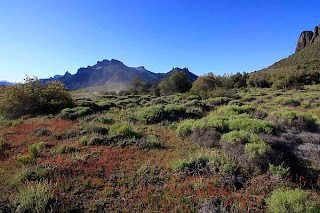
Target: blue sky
(44, 38)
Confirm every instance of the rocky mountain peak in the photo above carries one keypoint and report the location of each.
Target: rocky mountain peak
(308, 37)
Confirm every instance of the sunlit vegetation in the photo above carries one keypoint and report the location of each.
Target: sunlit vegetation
(217, 148)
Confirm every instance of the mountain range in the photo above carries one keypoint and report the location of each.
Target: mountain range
(113, 75)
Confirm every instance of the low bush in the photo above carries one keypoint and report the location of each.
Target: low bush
(257, 148)
(67, 150)
(149, 142)
(220, 123)
(34, 149)
(290, 200)
(235, 110)
(3, 146)
(152, 114)
(27, 174)
(252, 125)
(208, 138)
(278, 170)
(240, 136)
(105, 120)
(83, 140)
(75, 113)
(218, 101)
(40, 132)
(157, 113)
(35, 197)
(296, 119)
(123, 129)
(93, 129)
(193, 166)
(287, 101)
(236, 102)
(185, 128)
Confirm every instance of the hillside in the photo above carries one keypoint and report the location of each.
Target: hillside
(304, 64)
(113, 76)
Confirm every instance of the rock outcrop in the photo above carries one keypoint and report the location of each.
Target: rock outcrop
(308, 37)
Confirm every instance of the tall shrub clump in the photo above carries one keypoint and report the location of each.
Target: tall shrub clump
(34, 97)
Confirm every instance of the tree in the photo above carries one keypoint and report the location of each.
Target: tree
(138, 87)
(34, 97)
(155, 90)
(178, 82)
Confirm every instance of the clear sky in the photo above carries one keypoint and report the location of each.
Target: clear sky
(49, 37)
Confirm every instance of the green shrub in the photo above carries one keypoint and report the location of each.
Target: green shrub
(83, 140)
(16, 122)
(34, 149)
(149, 142)
(3, 146)
(182, 164)
(67, 150)
(287, 101)
(184, 129)
(75, 113)
(235, 110)
(152, 114)
(213, 121)
(106, 120)
(218, 101)
(123, 129)
(23, 158)
(157, 113)
(92, 129)
(289, 200)
(27, 174)
(278, 170)
(240, 136)
(252, 125)
(256, 148)
(295, 119)
(35, 197)
(34, 97)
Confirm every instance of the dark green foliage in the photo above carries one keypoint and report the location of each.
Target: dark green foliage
(33, 97)
(178, 82)
(3, 146)
(77, 112)
(157, 113)
(205, 86)
(91, 129)
(67, 150)
(138, 87)
(296, 119)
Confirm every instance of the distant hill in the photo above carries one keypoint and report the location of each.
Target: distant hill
(306, 60)
(113, 75)
(5, 83)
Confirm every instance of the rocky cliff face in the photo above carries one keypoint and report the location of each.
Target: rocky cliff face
(308, 37)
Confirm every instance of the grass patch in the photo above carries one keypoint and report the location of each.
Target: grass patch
(35, 197)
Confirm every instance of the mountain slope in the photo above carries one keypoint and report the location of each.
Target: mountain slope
(113, 76)
(303, 64)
